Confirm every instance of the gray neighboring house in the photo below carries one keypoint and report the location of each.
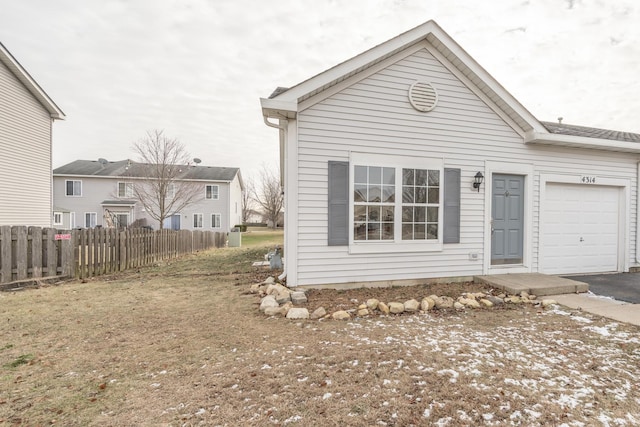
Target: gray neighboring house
(90, 193)
(26, 117)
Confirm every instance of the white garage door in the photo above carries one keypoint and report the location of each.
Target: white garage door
(580, 230)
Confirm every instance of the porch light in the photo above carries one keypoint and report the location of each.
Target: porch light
(477, 180)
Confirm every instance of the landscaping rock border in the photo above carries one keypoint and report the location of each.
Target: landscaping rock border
(278, 300)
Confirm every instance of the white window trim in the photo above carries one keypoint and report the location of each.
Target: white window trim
(397, 244)
(213, 196)
(194, 220)
(65, 187)
(85, 219)
(60, 214)
(128, 190)
(72, 220)
(219, 220)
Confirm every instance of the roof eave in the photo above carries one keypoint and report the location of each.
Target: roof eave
(581, 142)
(32, 86)
(279, 109)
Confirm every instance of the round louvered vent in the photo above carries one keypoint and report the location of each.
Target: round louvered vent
(423, 96)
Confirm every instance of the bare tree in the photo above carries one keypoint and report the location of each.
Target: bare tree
(247, 199)
(161, 182)
(269, 196)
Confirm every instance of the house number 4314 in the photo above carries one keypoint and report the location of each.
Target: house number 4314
(588, 179)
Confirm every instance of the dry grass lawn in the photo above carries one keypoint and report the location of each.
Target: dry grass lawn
(182, 343)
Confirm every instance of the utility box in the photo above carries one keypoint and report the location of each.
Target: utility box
(235, 238)
(275, 258)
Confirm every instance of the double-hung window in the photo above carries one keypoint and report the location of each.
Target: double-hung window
(395, 204)
(197, 220)
(212, 192)
(73, 188)
(215, 220)
(57, 218)
(125, 189)
(90, 219)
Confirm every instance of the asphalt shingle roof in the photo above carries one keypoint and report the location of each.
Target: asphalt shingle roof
(129, 168)
(588, 132)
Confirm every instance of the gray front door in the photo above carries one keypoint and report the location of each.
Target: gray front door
(507, 213)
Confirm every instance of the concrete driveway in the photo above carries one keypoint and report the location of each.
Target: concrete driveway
(621, 286)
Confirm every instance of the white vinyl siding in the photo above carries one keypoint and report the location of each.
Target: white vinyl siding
(25, 164)
(374, 115)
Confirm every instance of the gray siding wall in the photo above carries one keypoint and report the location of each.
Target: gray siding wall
(374, 115)
(25, 163)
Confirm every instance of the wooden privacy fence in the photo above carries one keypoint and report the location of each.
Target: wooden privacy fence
(34, 252)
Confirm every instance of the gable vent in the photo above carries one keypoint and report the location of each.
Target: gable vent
(423, 96)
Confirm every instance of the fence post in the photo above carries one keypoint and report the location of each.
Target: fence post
(5, 254)
(21, 251)
(36, 251)
(83, 254)
(66, 248)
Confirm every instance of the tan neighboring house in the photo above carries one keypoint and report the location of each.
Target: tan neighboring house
(26, 117)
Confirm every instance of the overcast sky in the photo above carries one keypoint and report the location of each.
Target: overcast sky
(197, 68)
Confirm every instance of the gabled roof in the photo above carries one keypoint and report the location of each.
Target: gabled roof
(284, 103)
(25, 78)
(131, 169)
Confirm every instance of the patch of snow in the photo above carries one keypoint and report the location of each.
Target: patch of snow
(454, 374)
(200, 412)
(326, 396)
(293, 419)
(265, 366)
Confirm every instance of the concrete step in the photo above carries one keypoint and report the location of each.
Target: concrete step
(533, 283)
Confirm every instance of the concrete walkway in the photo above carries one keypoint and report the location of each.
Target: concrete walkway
(570, 293)
(602, 306)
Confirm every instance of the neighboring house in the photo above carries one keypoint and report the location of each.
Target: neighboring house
(26, 117)
(384, 155)
(99, 193)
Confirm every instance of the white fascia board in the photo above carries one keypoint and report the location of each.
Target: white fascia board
(278, 108)
(32, 86)
(581, 142)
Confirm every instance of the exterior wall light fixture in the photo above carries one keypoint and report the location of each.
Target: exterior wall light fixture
(477, 181)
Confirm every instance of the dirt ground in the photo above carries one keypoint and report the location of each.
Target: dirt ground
(182, 344)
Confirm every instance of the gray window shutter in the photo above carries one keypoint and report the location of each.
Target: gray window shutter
(338, 203)
(451, 211)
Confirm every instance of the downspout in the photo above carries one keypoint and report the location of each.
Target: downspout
(282, 126)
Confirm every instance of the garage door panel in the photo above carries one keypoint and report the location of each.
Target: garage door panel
(581, 229)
